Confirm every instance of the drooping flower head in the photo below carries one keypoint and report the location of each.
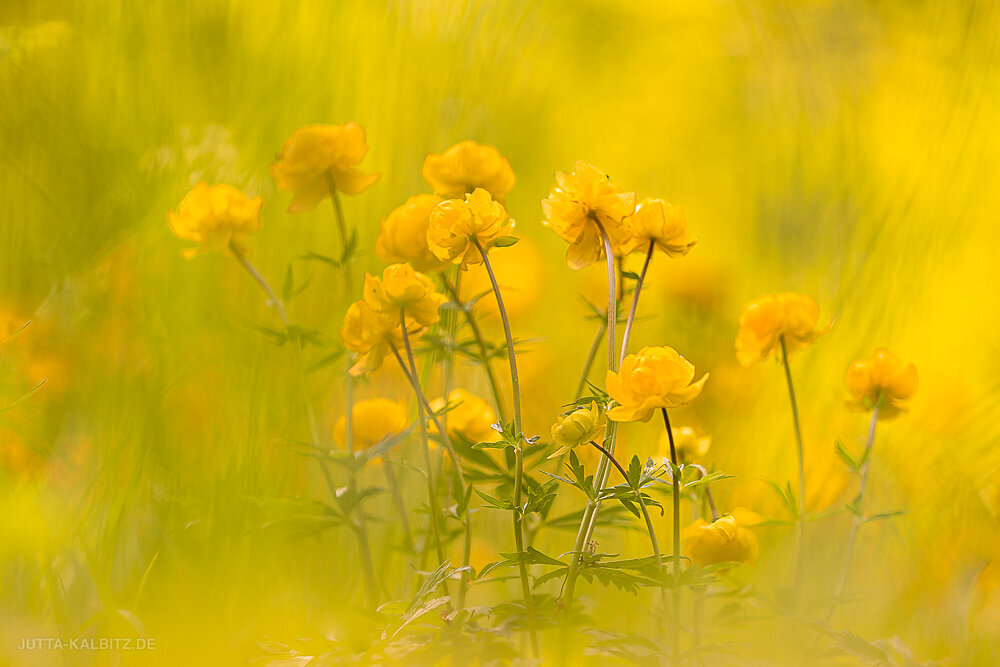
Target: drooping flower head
(654, 378)
(213, 216)
(881, 380)
(466, 166)
(727, 539)
(402, 289)
(766, 319)
(319, 158)
(580, 201)
(403, 237)
(576, 428)
(662, 224)
(469, 417)
(373, 421)
(456, 225)
(689, 445)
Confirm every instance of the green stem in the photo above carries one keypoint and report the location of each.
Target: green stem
(397, 499)
(518, 452)
(675, 640)
(591, 356)
(800, 524)
(635, 300)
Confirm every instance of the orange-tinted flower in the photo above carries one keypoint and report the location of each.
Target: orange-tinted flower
(319, 158)
(662, 223)
(654, 378)
(765, 320)
(402, 288)
(456, 225)
(466, 166)
(403, 237)
(213, 216)
(881, 380)
(580, 202)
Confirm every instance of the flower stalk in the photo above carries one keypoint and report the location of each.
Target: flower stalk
(675, 638)
(800, 524)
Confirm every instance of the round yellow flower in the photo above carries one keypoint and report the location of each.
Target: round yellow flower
(403, 237)
(578, 203)
(689, 445)
(576, 428)
(654, 378)
(725, 540)
(881, 380)
(466, 166)
(316, 156)
(373, 421)
(469, 418)
(662, 223)
(766, 319)
(455, 223)
(372, 334)
(402, 289)
(215, 216)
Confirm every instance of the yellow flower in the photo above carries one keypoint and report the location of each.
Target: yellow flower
(403, 237)
(767, 318)
(470, 417)
(317, 158)
(467, 166)
(662, 223)
(578, 203)
(656, 377)
(215, 216)
(455, 223)
(372, 334)
(402, 288)
(724, 540)
(373, 421)
(882, 380)
(689, 445)
(576, 428)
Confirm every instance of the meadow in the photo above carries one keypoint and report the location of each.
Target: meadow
(555, 332)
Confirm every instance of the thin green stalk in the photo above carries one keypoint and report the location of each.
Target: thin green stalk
(635, 300)
(800, 525)
(591, 356)
(675, 639)
(518, 452)
(397, 499)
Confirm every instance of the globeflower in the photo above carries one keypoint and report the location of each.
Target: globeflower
(402, 289)
(689, 445)
(881, 381)
(662, 224)
(456, 226)
(403, 237)
(467, 166)
(769, 318)
(318, 159)
(576, 428)
(373, 421)
(215, 216)
(469, 417)
(581, 204)
(371, 334)
(654, 378)
(725, 540)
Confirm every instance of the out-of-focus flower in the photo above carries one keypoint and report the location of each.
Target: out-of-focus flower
(469, 416)
(213, 216)
(654, 378)
(456, 224)
(658, 222)
(580, 201)
(466, 166)
(403, 237)
(882, 381)
(319, 158)
(373, 421)
(725, 540)
(576, 428)
(689, 445)
(370, 334)
(521, 273)
(766, 319)
(402, 289)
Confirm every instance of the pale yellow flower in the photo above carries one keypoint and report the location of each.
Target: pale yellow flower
(402, 289)
(726, 539)
(577, 428)
(215, 216)
(372, 335)
(466, 166)
(662, 224)
(456, 226)
(690, 446)
(654, 378)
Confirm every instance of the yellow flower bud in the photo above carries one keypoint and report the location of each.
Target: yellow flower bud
(766, 319)
(656, 377)
(466, 166)
(689, 445)
(373, 421)
(455, 223)
(319, 158)
(882, 380)
(726, 539)
(403, 237)
(469, 418)
(579, 201)
(576, 428)
(663, 224)
(215, 216)
(402, 288)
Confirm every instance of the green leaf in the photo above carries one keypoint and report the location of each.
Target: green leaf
(634, 472)
(23, 396)
(495, 503)
(630, 274)
(502, 242)
(846, 457)
(708, 479)
(289, 285)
